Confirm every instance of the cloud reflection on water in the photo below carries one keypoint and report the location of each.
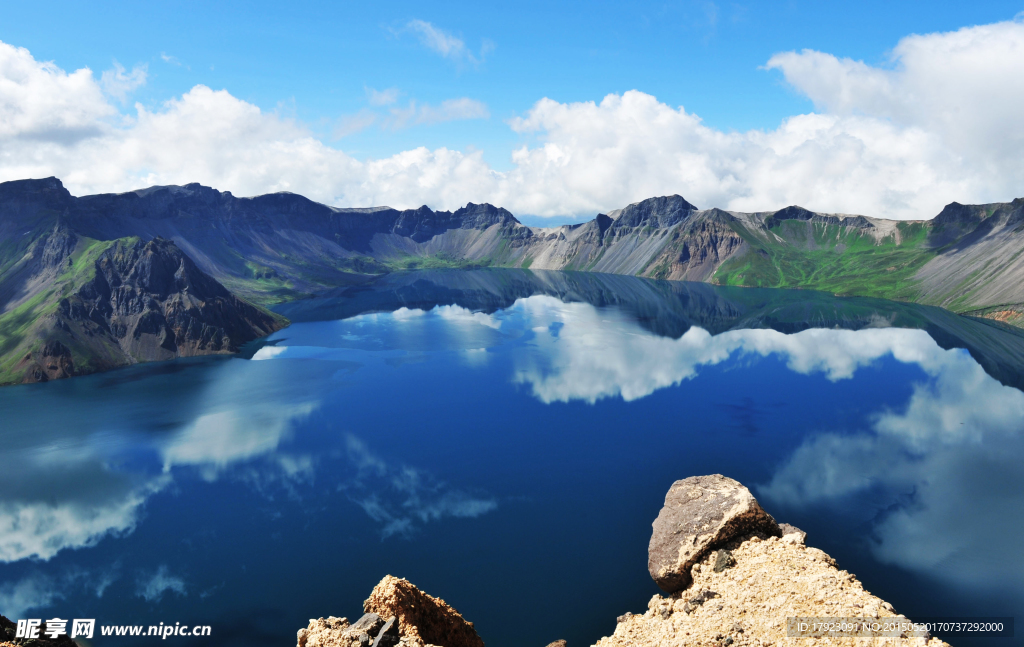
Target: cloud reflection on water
(945, 469)
(585, 353)
(926, 462)
(398, 497)
(76, 481)
(960, 428)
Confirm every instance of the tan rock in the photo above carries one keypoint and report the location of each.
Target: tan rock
(324, 632)
(421, 617)
(747, 604)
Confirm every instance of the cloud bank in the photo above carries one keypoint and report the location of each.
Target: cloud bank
(939, 123)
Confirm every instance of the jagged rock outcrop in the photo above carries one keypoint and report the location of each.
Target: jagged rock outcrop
(369, 631)
(700, 514)
(421, 616)
(414, 619)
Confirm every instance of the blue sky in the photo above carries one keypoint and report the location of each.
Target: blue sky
(320, 64)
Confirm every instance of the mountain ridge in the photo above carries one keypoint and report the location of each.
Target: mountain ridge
(280, 247)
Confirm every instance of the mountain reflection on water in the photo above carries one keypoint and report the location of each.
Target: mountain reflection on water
(499, 437)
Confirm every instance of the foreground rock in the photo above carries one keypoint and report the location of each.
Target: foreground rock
(745, 576)
(413, 619)
(748, 603)
(700, 513)
(421, 616)
(735, 576)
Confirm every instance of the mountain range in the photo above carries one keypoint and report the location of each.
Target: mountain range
(92, 282)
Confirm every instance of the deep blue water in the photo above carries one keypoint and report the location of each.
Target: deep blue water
(510, 461)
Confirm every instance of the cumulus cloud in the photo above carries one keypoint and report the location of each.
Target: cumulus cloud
(152, 587)
(220, 438)
(938, 124)
(41, 103)
(964, 86)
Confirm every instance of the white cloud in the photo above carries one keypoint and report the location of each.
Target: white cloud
(446, 44)
(119, 83)
(153, 587)
(38, 591)
(218, 438)
(454, 109)
(938, 125)
(41, 103)
(449, 110)
(966, 86)
(382, 97)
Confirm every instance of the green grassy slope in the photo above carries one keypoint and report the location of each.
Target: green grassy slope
(22, 328)
(831, 258)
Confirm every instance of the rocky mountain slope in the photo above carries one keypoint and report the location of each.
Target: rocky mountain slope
(277, 247)
(281, 247)
(72, 305)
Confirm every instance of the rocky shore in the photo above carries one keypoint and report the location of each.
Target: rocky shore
(732, 577)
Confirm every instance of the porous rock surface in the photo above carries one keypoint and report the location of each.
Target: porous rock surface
(414, 619)
(701, 513)
(748, 603)
(420, 616)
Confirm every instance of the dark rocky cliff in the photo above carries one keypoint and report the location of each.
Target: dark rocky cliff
(97, 306)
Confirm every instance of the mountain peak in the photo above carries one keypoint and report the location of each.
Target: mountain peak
(662, 211)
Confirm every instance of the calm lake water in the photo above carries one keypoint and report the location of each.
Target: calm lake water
(504, 440)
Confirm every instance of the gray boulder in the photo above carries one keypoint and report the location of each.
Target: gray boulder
(792, 533)
(700, 514)
(368, 624)
(388, 636)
